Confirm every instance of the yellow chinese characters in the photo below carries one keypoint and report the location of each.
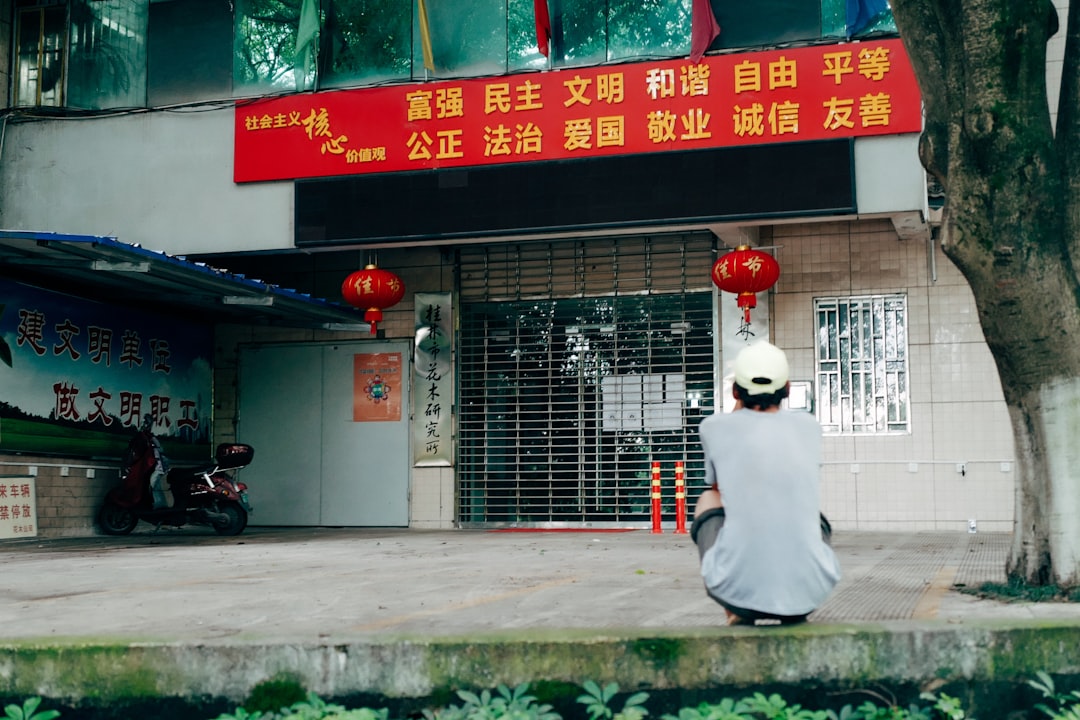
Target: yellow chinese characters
(662, 124)
(316, 125)
(781, 117)
(609, 130)
(421, 144)
(499, 140)
(874, 109)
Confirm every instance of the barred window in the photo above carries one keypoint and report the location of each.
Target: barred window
(862, 364)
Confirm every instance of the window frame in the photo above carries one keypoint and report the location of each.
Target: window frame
(41, 8)
(877, 376)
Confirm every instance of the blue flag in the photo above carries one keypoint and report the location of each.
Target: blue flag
(860, 13)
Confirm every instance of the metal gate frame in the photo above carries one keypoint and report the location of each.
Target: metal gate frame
(575, 378)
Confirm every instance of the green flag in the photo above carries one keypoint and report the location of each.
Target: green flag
(307, 33)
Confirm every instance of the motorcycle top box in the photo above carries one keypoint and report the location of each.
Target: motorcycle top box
(233, 455)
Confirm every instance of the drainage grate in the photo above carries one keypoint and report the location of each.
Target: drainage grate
(984, 559)
(882, 584)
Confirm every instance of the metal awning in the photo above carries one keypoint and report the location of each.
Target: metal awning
(107, 270)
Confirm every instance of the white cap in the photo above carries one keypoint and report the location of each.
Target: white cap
(761, 368)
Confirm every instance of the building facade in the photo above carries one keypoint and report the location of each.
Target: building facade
(571, 281)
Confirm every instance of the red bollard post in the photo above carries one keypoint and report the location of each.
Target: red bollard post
(656, 498)
(680, 498)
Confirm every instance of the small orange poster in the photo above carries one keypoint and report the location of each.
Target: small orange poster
(377, 387)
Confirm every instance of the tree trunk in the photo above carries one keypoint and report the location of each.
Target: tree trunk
(1007, 226)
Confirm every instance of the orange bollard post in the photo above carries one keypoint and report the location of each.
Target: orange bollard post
(680, 498)
(656, 498)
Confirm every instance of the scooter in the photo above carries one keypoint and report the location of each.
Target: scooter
(203, 495)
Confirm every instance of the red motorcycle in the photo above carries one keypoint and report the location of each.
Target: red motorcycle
(203, 495)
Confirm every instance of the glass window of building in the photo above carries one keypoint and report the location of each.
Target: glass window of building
(522, 52)
(266, 37)
(468, 38)
(107, 45)
(862, 364)
(287, 45)
(639, 29)
(99, 54)
(365, 42)
(88, 55)
(189, 51)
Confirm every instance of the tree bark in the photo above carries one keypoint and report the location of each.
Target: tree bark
(1010, 224)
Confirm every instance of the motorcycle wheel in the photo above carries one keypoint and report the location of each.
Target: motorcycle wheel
(115, 520)
(237, 519)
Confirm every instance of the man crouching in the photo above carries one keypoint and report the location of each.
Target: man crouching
(764, 544)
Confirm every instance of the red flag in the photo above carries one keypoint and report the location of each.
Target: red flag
(703, 29)
(543, 26)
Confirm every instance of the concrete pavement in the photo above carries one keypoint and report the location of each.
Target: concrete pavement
(406, 613)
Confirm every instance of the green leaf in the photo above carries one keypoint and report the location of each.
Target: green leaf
(30, 705)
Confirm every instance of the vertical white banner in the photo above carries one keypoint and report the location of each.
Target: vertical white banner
(18, 507)
(433, 381)
(736, 334)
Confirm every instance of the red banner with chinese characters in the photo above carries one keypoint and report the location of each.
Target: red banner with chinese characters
(779, 96)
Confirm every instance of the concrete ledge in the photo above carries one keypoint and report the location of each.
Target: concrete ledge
(104, 672)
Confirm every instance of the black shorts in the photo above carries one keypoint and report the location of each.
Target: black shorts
(703, 532)
(706, 526)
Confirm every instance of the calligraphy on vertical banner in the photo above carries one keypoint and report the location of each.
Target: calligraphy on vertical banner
(377, 387)
(433, 380)
(736, 333)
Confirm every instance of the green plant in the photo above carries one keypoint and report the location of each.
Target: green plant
(240, 714)
(28, 711)
(313, 708)
(726, 709)
(774, 706)
(1066, 705)
(870, 710)
(1017, 589)
(505, 704)
(517, 704)
(597, 703)
(946, 706)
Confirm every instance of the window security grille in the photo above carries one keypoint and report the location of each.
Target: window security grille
(862, 364)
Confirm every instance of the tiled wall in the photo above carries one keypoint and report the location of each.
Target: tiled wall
(956, 464)
(432, 505)
(68, 495)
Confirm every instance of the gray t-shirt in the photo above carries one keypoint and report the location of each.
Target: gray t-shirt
(769, 556)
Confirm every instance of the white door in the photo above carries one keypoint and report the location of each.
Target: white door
(330, 428)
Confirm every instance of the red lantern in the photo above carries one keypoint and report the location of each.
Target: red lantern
(746, 272)
(373, 290)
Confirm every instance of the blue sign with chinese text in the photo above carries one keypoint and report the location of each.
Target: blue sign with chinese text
(78, 376)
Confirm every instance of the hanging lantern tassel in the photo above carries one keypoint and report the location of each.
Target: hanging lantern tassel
(373, 290)
(745, 272)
